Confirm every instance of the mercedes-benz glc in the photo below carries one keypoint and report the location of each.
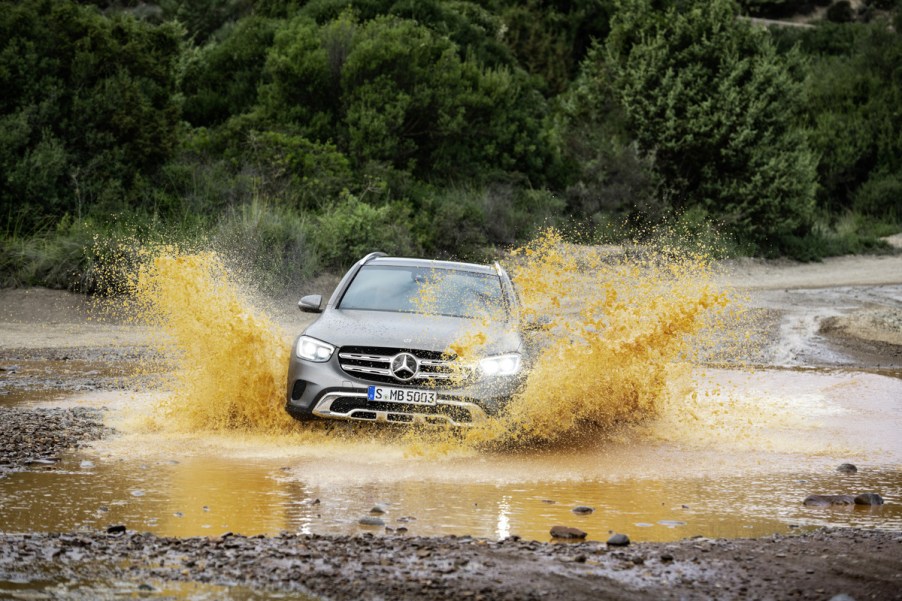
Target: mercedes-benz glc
(409, 341)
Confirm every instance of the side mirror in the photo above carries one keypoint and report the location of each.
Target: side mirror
(312, 303)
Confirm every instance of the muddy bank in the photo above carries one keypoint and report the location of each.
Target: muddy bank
(815, 565)
(35, 438)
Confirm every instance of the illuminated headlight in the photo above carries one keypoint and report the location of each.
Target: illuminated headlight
(500, 365)
(312, 349)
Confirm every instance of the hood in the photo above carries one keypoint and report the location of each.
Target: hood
(408, 330)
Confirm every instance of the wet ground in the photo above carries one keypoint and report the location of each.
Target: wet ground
(735, 463)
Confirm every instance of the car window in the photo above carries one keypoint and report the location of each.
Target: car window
(424, 290)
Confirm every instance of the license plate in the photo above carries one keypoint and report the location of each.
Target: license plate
(400, 395)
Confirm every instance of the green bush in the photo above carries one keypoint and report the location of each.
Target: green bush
(841, 12)
(220, 79)
(269, 246)
(391, 90)
(880, 196)
(88, 110)
(350, 229)
(714, 104)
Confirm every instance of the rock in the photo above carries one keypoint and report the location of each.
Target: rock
(846, 468)
(371, 521)
(566, 532)
(827, 500)
(117, 529)
(666, 557)
(619, 540)
(869, 498)
(378, 509)
(582, 510)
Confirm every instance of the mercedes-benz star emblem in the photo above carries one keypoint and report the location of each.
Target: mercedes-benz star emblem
(404, 366)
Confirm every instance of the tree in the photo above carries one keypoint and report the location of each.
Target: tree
(86, 112)
(220, 79)
(393, 91)
(709, 98)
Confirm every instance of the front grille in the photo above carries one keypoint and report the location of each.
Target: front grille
(373, 364)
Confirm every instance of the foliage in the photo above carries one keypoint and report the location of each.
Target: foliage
(710, 99)
(270, 246)
(351, 228)
(300, 134)
(220, 79)
(880, 196)
(550, 39)
(88, 109)
(611, 179)
(391, 90)
(853, 93)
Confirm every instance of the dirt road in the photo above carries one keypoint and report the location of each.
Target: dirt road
(843, 312)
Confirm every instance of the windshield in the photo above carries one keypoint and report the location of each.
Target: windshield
(425, 290)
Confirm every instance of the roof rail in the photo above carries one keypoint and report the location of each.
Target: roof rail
(372, 256)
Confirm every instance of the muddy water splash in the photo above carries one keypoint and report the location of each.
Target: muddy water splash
(231, 363)
(619, 332)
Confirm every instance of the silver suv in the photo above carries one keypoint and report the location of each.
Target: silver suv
(381, 349)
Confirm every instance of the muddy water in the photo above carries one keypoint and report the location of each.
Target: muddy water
(636, 427)
(767, 440)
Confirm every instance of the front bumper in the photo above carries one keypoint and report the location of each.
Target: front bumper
(325, 391)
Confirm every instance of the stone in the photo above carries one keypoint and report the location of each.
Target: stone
(869, 498)
(567, 532)
(117, 529)
(846, 468)
(619, 540)
(582, 510)
(378, 509)
(371, 521)
(827, 500)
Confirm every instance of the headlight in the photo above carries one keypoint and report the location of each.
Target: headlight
(500, 365)
(312, 349)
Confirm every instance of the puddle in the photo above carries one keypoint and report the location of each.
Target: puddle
(35, 381)
(738, 463)
(27, 589)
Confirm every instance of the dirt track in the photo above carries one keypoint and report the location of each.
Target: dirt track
(844, 311)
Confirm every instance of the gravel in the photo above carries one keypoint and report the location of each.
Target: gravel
(35, 437)
(815, 565)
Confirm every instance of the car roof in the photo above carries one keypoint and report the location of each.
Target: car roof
(431, 264)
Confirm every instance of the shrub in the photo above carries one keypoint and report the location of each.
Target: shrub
(88, 107)
(715, 105)
(350, 229)
(269, 246)
(841, 12)
(880, 196)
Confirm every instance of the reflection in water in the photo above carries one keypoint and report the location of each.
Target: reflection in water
(744, 467)
(208, 497)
